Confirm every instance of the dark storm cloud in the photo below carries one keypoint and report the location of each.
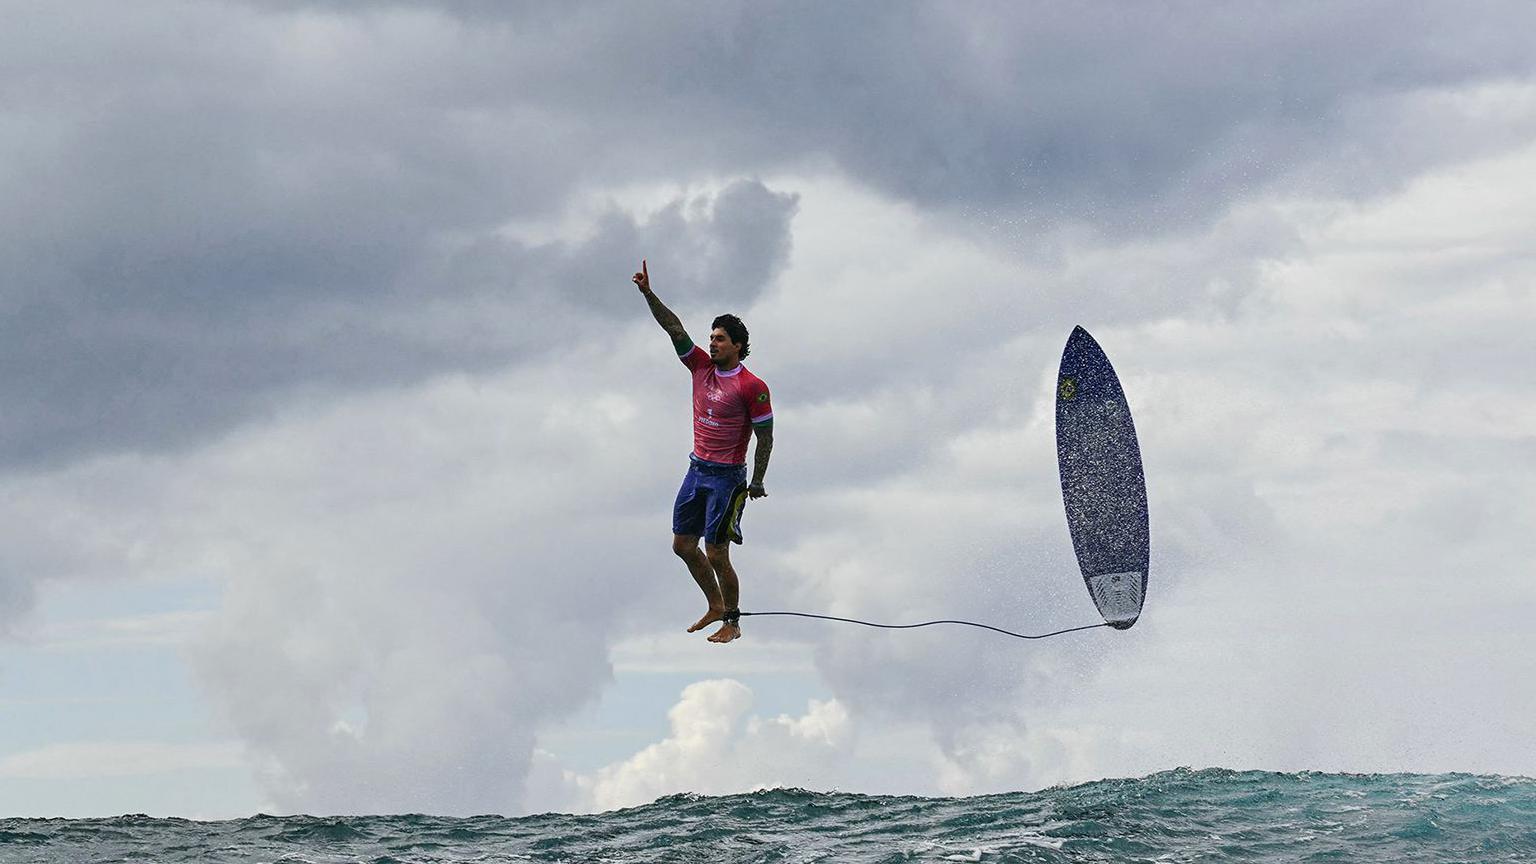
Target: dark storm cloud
(716, 249)
(199, 218)
(188, 239)
(1130, 115)
(272, 195)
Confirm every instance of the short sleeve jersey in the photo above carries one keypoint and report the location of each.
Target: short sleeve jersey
(726, 405)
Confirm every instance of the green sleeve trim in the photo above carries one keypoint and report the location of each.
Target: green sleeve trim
(763, 424)
(683, 345)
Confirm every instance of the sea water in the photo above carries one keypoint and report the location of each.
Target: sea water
(1174, 816)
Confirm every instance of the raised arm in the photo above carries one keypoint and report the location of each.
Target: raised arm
(664, 316)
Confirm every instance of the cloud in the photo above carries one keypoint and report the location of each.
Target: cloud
(110, 377)
(1099, 114)
(1318, 471)
(715, 747)
(391, 647)
(400, 566)
(1259, 498)
(390, 594)
(322, 210)
(329, 305)
(392, 590)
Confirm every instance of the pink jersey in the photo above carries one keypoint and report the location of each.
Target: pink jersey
(725, 407)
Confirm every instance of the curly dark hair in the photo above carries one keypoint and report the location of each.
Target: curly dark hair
(734, 329)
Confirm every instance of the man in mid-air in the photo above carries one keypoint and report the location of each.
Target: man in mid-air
(730, 404)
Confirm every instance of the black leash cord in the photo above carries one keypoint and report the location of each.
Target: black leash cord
(930, 623)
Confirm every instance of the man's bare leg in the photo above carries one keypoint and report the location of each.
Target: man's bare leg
(687, 548)
(719, 559)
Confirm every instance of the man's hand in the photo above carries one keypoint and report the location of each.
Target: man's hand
(664, 316)
(756, 490)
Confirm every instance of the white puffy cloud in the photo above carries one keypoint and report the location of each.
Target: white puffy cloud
(402, 606)
(717, 746)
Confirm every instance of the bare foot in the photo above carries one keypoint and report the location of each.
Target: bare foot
(726, 633)
(709, 618)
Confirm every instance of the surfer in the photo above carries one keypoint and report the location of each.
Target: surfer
(730, 405)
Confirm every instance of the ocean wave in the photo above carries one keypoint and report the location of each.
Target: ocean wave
(1181, 815)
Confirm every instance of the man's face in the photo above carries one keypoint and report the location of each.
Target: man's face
(722, 350)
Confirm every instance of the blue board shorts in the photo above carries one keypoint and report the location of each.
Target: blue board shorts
(711, 501)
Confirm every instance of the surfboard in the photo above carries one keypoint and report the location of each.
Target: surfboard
(1103, 486)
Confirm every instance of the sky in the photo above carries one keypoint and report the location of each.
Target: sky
(337, 449)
